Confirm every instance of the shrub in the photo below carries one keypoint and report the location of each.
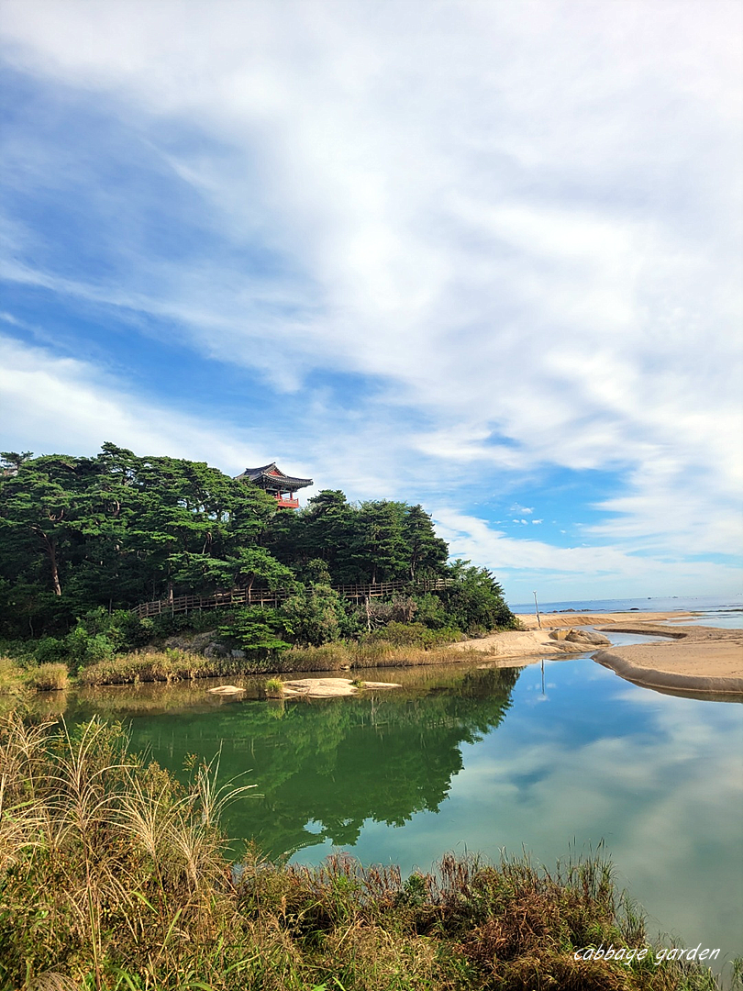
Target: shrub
(412, 635)
(50, 649)
(274, 686)
(314, 616)
(254, 630)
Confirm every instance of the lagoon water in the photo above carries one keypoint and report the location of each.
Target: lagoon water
(556, 761)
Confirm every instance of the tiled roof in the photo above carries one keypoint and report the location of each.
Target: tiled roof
(272, 474)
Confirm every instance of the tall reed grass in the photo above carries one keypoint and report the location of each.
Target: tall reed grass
(52, 677)
(114, 876)
(178, 665)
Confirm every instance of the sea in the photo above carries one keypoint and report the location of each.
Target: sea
(712, 610)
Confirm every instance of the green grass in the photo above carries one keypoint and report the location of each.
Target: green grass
(113, 876)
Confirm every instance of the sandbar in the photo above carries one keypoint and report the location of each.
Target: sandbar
(701, 660)
(698, 659)
(553, 621)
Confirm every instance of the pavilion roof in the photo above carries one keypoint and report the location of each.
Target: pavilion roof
(272, 476)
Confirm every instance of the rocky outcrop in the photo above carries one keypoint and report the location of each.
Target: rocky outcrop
(330, 687)
(589, 637)
(207, 643)
(226, 690)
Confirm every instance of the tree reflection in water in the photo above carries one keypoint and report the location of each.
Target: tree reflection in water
(323, 768)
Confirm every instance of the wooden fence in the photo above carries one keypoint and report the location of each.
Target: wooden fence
(266, 597)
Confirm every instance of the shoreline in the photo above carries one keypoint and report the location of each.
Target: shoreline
(532, 641)
(703, 660)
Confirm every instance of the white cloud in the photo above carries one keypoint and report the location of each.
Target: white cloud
(69, 403)
(562, 572)
(516, 218)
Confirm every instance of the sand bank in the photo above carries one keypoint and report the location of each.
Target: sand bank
(520, 643)
(531, 642)
(696, 659)
(699, 659)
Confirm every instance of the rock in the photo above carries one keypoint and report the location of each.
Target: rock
(241, 653)
(215, 650)
(226, 690)
(328, 687)
(193, 643)
(560, 634)
(587, 636)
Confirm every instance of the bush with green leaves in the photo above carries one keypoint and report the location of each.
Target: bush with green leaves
(50, 650)
(256, 632)
(413, 635)
(315, 616)
(474, 600)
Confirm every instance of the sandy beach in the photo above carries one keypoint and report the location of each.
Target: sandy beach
(555, 621)
(532, 642)
(697, 659)
(515, 644)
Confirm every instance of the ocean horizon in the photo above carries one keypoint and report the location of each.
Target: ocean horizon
(707, 604)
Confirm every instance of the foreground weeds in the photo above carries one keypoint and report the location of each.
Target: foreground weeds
(114, 876)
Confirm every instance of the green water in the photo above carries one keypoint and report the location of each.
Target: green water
(480, 760)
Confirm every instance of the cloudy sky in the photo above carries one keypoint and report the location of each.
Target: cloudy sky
(485, 256)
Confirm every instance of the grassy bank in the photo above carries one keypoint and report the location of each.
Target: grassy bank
(112, 875)
(179, 665)
(173, 665)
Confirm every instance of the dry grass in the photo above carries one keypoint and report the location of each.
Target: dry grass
(49, 677)
(168, 666)
(176, 665)
(345, 655)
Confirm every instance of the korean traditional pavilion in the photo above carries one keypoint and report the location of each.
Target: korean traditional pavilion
(282, 487)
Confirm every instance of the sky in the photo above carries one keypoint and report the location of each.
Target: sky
(481, 256)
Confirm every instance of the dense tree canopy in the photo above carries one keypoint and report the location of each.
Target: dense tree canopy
(79, 534)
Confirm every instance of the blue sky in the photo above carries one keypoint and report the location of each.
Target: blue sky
(485, 257)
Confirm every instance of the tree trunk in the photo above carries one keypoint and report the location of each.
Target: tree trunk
(51, 553)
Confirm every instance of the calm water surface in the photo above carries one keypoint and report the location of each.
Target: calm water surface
(475, 760)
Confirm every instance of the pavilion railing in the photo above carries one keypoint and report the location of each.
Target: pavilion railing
(268, 597)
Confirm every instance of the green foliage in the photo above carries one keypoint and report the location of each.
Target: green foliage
(430, 610)
(474, 602)
(114, 530)
(82, 540)
(315, 615)
(413, 635)
(50, 650)
(255, 631)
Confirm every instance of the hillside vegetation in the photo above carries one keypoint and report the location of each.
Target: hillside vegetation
(84, 540)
